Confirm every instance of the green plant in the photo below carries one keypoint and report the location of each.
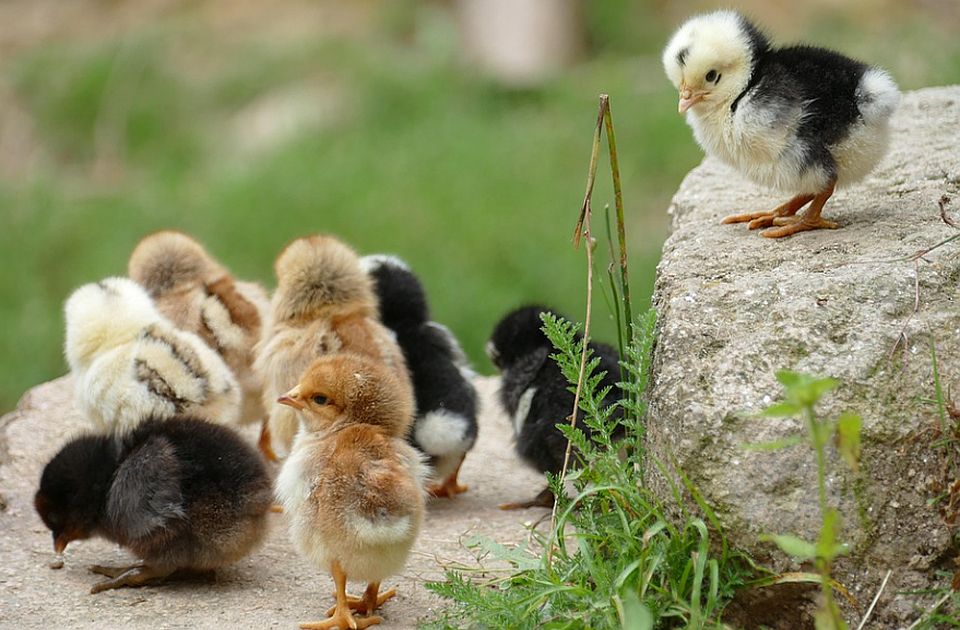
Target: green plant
(803, 392)
(619, 561)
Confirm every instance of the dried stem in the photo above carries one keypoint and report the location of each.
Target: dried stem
(618, 204)
(883, 585)
(583, 230)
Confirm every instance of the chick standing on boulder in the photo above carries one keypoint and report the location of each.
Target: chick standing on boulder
(199, 295)
(800, 119)
(535, 393)
(352, 485)
(181, 494)
(130, 363)
(445, 426)
(324, 304)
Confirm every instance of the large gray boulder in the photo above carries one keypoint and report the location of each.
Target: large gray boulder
(734, 308)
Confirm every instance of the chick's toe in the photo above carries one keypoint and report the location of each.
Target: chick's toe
(792, 225)
(370, 601)
(112, 572)
(133, 577)
(545, 499)
(766, 219)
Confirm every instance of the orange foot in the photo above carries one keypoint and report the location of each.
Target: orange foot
(792, 225)
(342, 619)
(766, 219)
(450, 486)
(370, 601)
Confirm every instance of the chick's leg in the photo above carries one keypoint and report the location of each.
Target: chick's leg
(264, 443)
(544, 499)
(134, 576)
(766, 219)
(809, 220)
(341, 618)
(370, 601)
(450, 486)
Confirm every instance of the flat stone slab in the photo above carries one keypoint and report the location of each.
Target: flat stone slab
(735, 307)
(273, 587)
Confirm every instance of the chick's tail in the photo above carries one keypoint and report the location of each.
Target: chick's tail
(316, 273)
(165, 261)
(877, 96)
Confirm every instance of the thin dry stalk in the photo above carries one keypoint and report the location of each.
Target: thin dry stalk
(866, 617)
(582, 230)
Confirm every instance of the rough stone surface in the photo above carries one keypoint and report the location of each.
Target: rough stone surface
(272, 588)
(734, 308)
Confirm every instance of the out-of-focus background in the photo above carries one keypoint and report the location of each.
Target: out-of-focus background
(455, 134)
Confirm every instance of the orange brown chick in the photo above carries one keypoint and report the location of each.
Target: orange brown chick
(324, 304)
(198, 294)
(352, 486)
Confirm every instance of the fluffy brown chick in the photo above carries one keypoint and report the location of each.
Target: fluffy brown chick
(198, 294)
(324, 304)
(352, 486)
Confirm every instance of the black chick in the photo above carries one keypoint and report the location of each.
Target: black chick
(445, 426)
(535, 393)
(181, 494)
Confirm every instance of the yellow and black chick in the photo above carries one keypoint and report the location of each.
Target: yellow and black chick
(181, 494)
(198, 294)
(352, 485)
(535, 393)
(445, 425)
(798, 119)
(324, 304)
(131, 363)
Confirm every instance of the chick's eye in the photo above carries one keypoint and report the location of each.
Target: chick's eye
(319, 400)
(712, 77)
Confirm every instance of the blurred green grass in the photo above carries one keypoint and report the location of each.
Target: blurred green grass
(475, 185)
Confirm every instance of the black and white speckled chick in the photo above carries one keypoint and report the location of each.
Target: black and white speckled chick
(181, 494)
(535, 393)
(445, 427)
(799, 119)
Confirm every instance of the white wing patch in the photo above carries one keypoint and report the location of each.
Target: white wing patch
(523, 409)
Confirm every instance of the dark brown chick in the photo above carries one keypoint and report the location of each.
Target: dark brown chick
(324, 304)
(352, 485)
(198, 294)
(180, 494)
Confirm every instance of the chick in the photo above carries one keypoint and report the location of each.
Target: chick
(352, 484)
(800, 119)
(324, 303)
(445, 426)
(199, 295)
(180, 494)
(131, 363)
(535, 393)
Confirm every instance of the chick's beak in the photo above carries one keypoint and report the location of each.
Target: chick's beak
(292, 399)
(689, 98)
(60, 542)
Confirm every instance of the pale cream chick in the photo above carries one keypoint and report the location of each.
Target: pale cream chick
(324, 304)
(130, 363)
(198, 294)
(352, 486)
